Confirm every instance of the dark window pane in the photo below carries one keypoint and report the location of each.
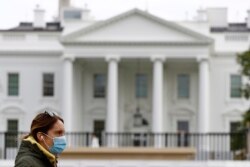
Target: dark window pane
(141, 86)
(237, 136)
(11, 135)
(13, 84)
(183, 85)
(234, 126)
(72, 14)
(235, 86)
(48, 84)
(99, 85)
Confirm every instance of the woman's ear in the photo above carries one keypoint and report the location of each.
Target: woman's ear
(39, 136)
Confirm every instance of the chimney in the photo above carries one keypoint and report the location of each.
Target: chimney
(39, 20)
(86, 14)
(62, 4)
(201, 15)
(217, 17)
(248, 19)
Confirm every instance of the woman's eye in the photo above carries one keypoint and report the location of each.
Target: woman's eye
(60, 133)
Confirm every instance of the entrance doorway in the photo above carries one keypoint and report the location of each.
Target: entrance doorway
(99, 127)
(183, 129)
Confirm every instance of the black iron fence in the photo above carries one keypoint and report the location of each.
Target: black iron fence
(209, 146)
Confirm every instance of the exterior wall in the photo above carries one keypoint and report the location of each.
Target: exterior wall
(181, 109)
(30, 100)
(128, 100)
(217, 17)
(91, 108)
(86, 108)
(224, 109)
(30, 42)
(239, 43)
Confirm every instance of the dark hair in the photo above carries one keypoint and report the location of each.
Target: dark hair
(43, 122)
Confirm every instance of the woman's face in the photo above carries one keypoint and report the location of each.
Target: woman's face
(56, 131)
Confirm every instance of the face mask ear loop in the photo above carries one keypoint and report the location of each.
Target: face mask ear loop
(45, 142)
(47, 135)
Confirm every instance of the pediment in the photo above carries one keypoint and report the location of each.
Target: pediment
(135, 26)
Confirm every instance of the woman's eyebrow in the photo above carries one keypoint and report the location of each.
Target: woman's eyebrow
(59, 131)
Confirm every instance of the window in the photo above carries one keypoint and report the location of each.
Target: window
(237, 136)
(183, 81)
(13, 84)
(48, 84)
(72, 14)
(236, 38)
(235, 90)
(234, 126)
(12, 130)
(141, 85)
(99, 85)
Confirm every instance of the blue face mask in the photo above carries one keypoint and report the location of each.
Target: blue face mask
(59, 144)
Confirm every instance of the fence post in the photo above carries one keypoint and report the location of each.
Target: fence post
(5, 146)
(248, 140)
(182, 138)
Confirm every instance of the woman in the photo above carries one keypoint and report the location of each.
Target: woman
(44, 143)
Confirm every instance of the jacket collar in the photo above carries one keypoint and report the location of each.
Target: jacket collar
(50, 156)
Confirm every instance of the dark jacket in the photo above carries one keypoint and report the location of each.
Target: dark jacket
(29, 155)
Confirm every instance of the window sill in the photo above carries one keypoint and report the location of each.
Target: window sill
(182, 100)
(97, 98)
(13, 99)
(46, 99)
(235, 100)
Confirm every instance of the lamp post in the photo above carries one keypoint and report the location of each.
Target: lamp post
(138, 120)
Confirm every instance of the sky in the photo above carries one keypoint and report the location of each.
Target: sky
(14, 11)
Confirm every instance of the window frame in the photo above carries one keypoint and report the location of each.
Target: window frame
(12, 135)
(8, 84)
(43, 86)
(230, 86)
(67, 14)
(188, 86)
(95, 90)
(137, 85)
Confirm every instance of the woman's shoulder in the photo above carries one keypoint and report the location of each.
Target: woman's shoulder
(26, 160)
(29, 161)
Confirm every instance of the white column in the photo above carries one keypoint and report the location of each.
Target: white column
(204, 107)
(157, 125)
(67, 95)
(204, 95)
(112, 100)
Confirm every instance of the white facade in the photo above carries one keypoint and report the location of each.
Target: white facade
(114, 47)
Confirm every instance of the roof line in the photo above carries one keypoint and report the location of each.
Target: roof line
(145, 14)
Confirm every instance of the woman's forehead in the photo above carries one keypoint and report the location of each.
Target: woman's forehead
(58, 126)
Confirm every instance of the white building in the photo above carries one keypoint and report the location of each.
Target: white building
(182, 75)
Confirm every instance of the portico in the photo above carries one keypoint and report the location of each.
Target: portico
(157, 57)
